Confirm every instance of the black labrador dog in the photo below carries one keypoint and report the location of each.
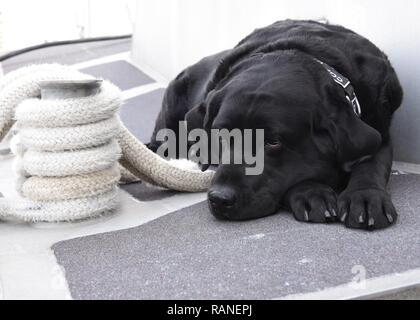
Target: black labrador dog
(323, 160)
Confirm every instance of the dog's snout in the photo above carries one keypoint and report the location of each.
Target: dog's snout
(221, 200)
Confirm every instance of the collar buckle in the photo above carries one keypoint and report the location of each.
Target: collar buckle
(356, 105)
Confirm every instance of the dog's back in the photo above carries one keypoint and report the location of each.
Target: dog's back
(366, 66)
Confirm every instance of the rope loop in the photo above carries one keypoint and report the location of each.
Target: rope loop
(71, 152)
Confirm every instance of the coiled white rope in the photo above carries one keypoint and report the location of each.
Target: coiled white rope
(67, 150)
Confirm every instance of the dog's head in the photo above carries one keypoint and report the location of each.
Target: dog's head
(310, 131)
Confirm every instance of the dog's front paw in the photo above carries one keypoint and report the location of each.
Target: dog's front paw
(313, 202)
(366, 209)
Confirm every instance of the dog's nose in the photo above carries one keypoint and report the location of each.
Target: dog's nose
(222, 199)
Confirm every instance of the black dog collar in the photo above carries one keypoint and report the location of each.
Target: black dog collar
(346, 85)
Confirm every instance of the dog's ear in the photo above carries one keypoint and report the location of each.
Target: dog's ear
(349, 138)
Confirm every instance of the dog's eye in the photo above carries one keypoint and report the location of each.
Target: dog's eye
(273, 145)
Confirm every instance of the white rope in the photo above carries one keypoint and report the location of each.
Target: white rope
(67, 150)
(70, 162)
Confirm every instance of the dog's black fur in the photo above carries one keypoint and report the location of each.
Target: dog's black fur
(321, 161)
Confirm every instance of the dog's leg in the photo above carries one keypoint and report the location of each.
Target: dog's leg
(312, 202)
(365, 203)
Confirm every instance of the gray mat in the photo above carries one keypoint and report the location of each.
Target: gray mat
(139, 114)
(68, 54)
(190, 255)
(121, 73)
(145, 192)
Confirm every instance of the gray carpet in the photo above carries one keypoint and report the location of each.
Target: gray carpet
(189, 255)
(121, 73)
(139, 114)
(145, 192)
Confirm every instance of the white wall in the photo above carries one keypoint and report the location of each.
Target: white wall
(25, 22)
(170, 35)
